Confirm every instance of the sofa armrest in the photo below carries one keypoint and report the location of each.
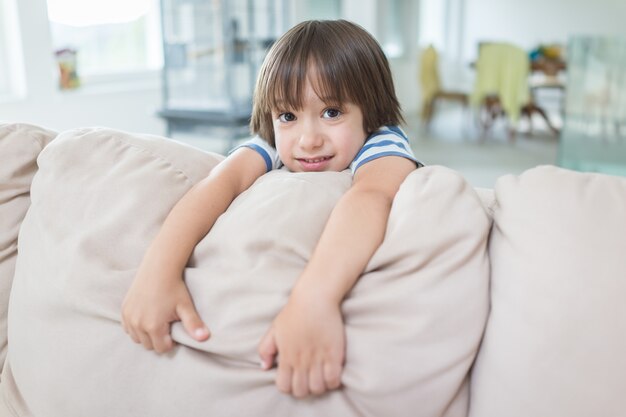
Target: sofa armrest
(556, 335)
(20, 145)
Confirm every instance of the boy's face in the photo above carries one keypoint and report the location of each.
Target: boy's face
(318, 137)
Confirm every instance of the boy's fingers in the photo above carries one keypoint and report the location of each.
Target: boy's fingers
(135, 338)
(332, 375)
(267, 349)
(192, 322)
(162, 344)
(317, 386)
(300, 383)
(146, 341)
(284, 378)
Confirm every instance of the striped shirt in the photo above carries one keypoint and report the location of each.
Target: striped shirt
(386, 141)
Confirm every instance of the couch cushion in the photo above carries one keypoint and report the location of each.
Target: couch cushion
(413, 321)
(20, 145)
(556, 335)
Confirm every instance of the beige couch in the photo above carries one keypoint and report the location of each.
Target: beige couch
(479, 303)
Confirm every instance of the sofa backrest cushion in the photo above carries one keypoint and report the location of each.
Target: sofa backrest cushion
(413, 321)
(555, 341)
(20, 145)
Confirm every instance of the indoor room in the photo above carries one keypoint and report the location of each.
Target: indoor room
(299, 208)
(155, 67)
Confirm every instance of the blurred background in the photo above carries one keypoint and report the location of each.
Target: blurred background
(487, 87)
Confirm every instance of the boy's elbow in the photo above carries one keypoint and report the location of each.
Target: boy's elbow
(381, 197)
(383, 177)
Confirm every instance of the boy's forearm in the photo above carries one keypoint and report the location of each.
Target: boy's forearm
(196, 212)
(354, 231)
(188, 222)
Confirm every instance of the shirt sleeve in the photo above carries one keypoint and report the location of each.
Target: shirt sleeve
(268, 152)
(386, 141)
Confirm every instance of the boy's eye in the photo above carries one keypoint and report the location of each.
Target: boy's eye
(331, 113)
(286, 117)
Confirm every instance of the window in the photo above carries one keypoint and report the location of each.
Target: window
(11, 62)
(323, 9)
(391, 28)
(113, 37)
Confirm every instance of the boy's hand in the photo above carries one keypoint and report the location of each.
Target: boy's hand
(152, 303)
(308, 335)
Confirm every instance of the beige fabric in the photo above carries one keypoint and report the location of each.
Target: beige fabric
(487, 198)
(20, 145)
(555, 341)
(413, 321)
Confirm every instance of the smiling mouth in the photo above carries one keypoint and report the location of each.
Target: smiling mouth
(314, 160)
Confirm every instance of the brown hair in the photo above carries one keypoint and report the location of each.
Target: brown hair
(350, 67)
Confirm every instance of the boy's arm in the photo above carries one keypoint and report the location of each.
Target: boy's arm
(158, 295)
(308, 333)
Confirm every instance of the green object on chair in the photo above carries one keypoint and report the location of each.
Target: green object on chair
(502, 71)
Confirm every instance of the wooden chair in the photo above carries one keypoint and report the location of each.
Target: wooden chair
(432, 92)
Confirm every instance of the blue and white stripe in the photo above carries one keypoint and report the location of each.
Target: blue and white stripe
(269, 153)
(386, 141)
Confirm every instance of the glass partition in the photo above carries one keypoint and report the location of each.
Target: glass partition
(594, 134)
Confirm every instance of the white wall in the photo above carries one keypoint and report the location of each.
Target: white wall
(531, 22)
(125, 110)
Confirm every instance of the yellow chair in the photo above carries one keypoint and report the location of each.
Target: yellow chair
(501, 88)
(431, 86)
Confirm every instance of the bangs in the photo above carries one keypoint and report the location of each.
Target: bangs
(285, 81)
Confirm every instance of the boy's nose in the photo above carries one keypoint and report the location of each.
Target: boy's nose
(311, 138)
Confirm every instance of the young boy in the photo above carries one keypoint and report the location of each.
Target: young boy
(324, 101)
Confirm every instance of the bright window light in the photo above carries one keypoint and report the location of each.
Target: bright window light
(87, 13)
(12, 81)
(105, 38)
